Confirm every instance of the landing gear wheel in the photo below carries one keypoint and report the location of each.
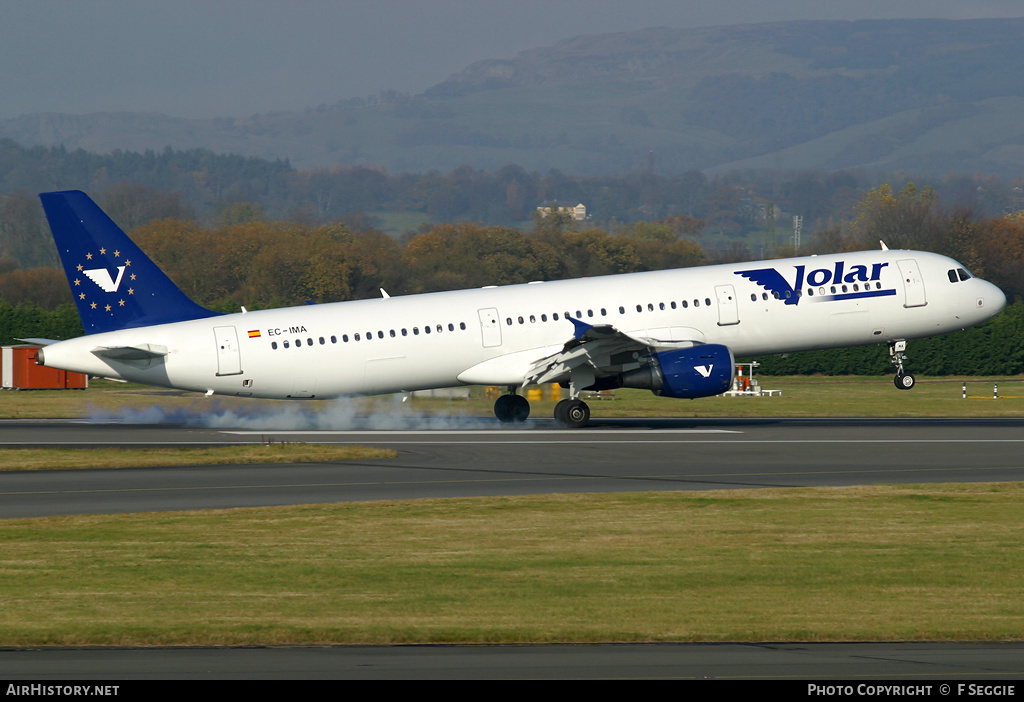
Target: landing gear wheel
(904, 381)
(560, 412)
(511, 408)
(572, 414)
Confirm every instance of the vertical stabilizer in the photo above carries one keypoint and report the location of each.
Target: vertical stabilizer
(114, 284)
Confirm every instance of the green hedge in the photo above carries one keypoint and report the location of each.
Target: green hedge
(993, 348)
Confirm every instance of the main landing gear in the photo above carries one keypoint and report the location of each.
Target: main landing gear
(572, 414)
(511, 407)
(903, 380)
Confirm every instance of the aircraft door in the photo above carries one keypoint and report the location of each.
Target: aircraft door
(913, 283)
(727, 310)
(229, 361)
(490, 327)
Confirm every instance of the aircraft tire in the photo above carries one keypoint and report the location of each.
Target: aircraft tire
(511, 408)
(574, 414)
(560, 412)
(905, 381)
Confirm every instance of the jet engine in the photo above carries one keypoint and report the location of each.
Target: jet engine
(699, 371)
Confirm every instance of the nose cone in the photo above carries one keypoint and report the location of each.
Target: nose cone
(998, 299)
(991, 300)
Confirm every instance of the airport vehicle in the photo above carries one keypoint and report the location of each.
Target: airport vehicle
(675, 332)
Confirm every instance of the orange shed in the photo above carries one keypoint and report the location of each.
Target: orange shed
(18, 371)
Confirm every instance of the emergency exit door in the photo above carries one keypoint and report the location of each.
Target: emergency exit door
(229, 360)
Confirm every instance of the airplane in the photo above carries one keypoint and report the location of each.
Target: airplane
(674, 332)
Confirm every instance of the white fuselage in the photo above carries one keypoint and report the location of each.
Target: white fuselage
(493, 335)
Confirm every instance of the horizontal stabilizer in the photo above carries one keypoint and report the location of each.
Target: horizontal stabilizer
(142, 352)
(39, 342)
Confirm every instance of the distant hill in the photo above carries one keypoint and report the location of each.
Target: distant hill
(917, 95)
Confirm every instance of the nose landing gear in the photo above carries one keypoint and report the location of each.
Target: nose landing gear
(903, 380)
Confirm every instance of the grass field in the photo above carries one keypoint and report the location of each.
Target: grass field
(911, 562)
(864, 563)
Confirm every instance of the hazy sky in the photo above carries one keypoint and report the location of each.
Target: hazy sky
(218, 58)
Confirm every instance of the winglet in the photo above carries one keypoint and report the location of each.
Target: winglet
(114, 284)
(581, 327)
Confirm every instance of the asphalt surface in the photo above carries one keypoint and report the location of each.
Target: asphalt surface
(611, 456)
(485, 459)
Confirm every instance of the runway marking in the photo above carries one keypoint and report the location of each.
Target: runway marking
(377, 438)
(462, 432)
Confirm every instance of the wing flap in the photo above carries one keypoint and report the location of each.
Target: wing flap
(597, 351)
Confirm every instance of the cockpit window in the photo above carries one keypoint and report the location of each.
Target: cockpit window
(964, 275)
(958, 274)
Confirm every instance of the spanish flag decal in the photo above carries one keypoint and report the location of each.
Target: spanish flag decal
(254, 334)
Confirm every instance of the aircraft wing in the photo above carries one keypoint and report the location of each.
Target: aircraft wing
(596, 351)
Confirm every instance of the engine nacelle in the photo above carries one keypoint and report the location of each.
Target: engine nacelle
(699, 371)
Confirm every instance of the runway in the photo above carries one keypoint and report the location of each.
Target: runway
(609, 456)
(535, 458)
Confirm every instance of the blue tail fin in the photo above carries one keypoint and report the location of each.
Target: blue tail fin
(115, 285)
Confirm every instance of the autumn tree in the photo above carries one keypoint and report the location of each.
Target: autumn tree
(908, 219)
